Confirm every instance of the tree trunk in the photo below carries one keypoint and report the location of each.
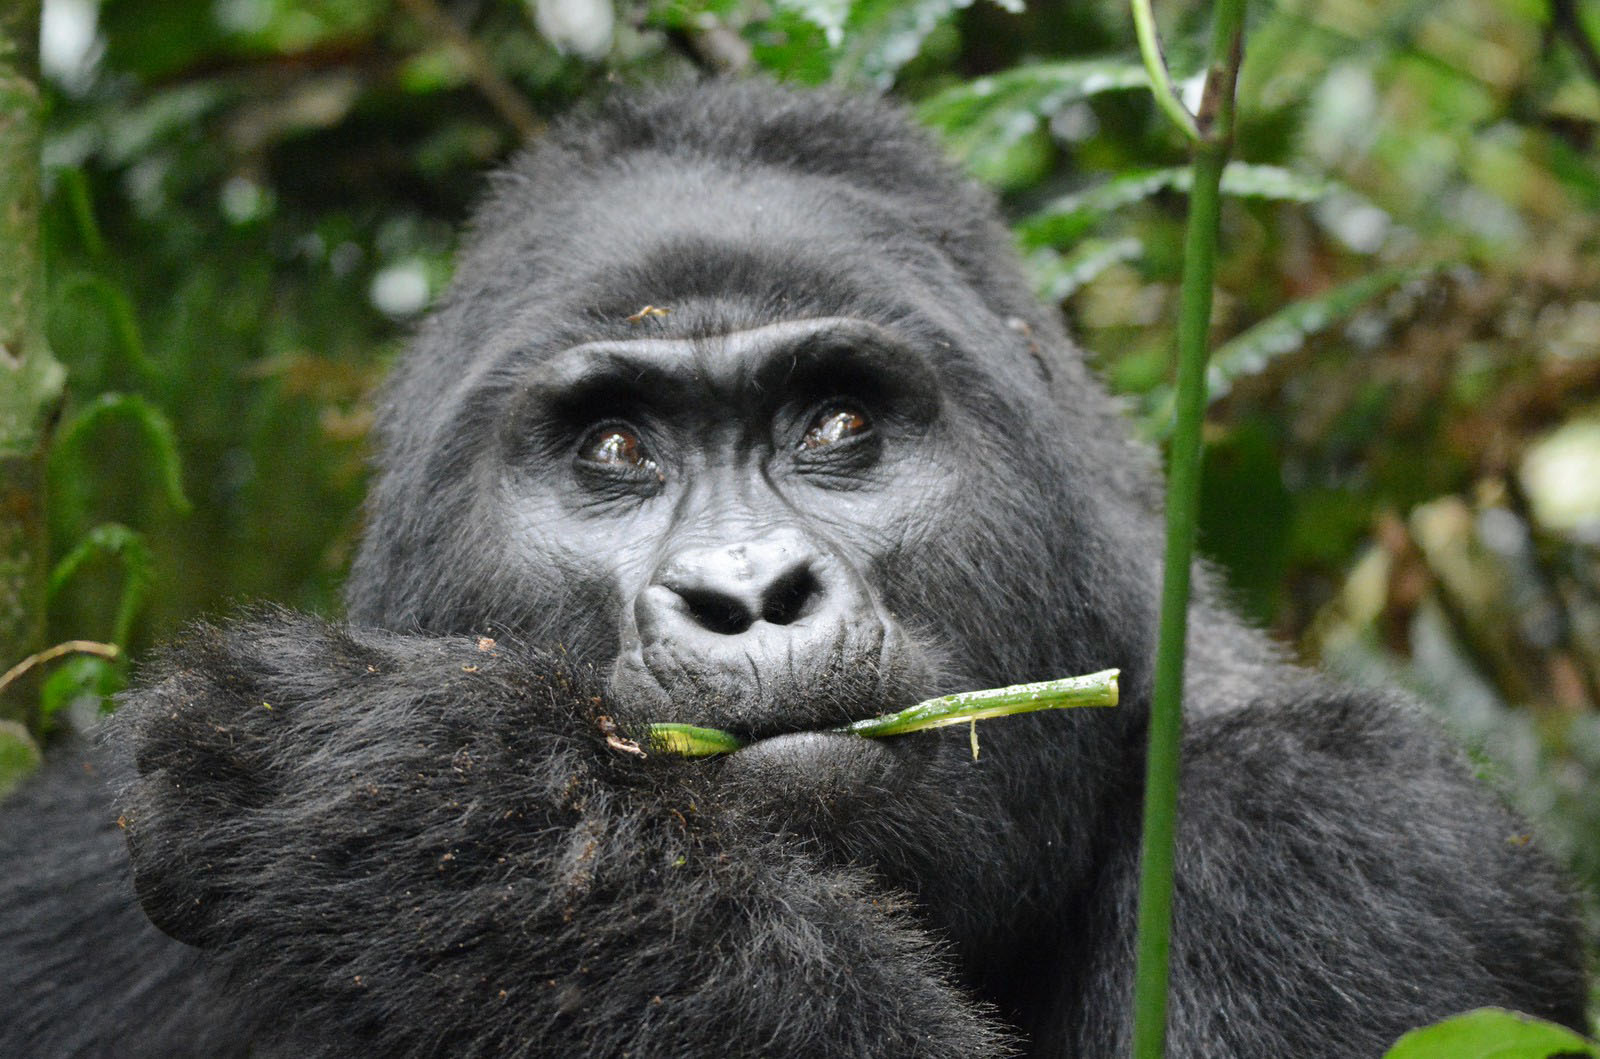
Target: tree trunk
(30, 378)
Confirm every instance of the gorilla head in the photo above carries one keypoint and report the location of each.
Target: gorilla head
(747, 323)
(740, 398)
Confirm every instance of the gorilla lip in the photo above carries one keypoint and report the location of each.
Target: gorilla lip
(965, 707)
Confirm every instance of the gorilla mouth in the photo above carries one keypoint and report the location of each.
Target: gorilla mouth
(810, 743)
(773, 688)
(806, 780)
(779, 692)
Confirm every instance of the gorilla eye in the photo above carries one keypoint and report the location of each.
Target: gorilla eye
(618, 448)
(834, 424)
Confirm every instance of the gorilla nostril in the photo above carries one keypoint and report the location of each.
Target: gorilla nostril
(728, 588)
(791, 597)
(717, 612)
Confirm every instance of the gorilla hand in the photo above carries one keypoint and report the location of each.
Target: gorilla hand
(361, 826)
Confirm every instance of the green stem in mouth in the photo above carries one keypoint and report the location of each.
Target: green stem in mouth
(690, 740)
(1096, 689)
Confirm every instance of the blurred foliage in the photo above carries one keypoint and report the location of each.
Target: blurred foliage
(250, 200)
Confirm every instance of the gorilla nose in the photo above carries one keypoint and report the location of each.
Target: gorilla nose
(727, 589)
(752, 636)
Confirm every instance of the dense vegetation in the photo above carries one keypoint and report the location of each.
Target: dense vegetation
(249, 200)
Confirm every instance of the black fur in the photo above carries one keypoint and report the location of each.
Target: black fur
(429, 832)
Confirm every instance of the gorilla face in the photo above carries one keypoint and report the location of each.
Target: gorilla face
(751, 489)
(746, 488)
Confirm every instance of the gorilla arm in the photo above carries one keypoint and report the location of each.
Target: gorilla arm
(1341, 878)
(428, 846)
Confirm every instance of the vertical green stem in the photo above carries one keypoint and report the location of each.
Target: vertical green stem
(30, 379)
(1162, 88)
(1215, 124)
(1161, 768)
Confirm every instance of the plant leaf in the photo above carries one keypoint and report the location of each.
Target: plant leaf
(114, 541)
(1063, 221)
(1286, 330)
(77, 677)
(121, 319)
(884, 35)
(1094, 690)
(1492, 1033)
(153, 426)
(1056, 276)
(1252, 350)
(692, 740)
(827, 15)
(982, 120)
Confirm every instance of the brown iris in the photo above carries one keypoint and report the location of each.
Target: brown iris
(832, 425)
(617, 447)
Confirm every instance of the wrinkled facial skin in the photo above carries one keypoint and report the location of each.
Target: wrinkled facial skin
(779, 506)
(744, 494)
(741, 492)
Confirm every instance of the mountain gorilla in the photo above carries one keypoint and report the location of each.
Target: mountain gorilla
(740, 413)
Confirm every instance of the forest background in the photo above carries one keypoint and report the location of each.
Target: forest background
(248, 203)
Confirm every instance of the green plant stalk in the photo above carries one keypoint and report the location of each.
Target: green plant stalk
(30, 378)
(1215, 122)
(691, 740)
(1096, 689)
(1162, 87)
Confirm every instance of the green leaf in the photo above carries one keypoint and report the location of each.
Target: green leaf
(692, 14)
(1245, 181)
(1492, 1033)
(1093, 690)
(77, 678)
(1063, 221)
(75, 190)
(1056, 276)
(1246, 514)
(120, 317)
(827, 15)
(982, 120)
(965, 707)
(691, 740)
(134, 134)
(152, 425)
(884, 35)
(114, 541)
(1285, 331)
(19, 755)
(863, 41)
(154, 42)
(791, 47)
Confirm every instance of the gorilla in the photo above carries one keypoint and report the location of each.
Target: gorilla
(739, 413)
